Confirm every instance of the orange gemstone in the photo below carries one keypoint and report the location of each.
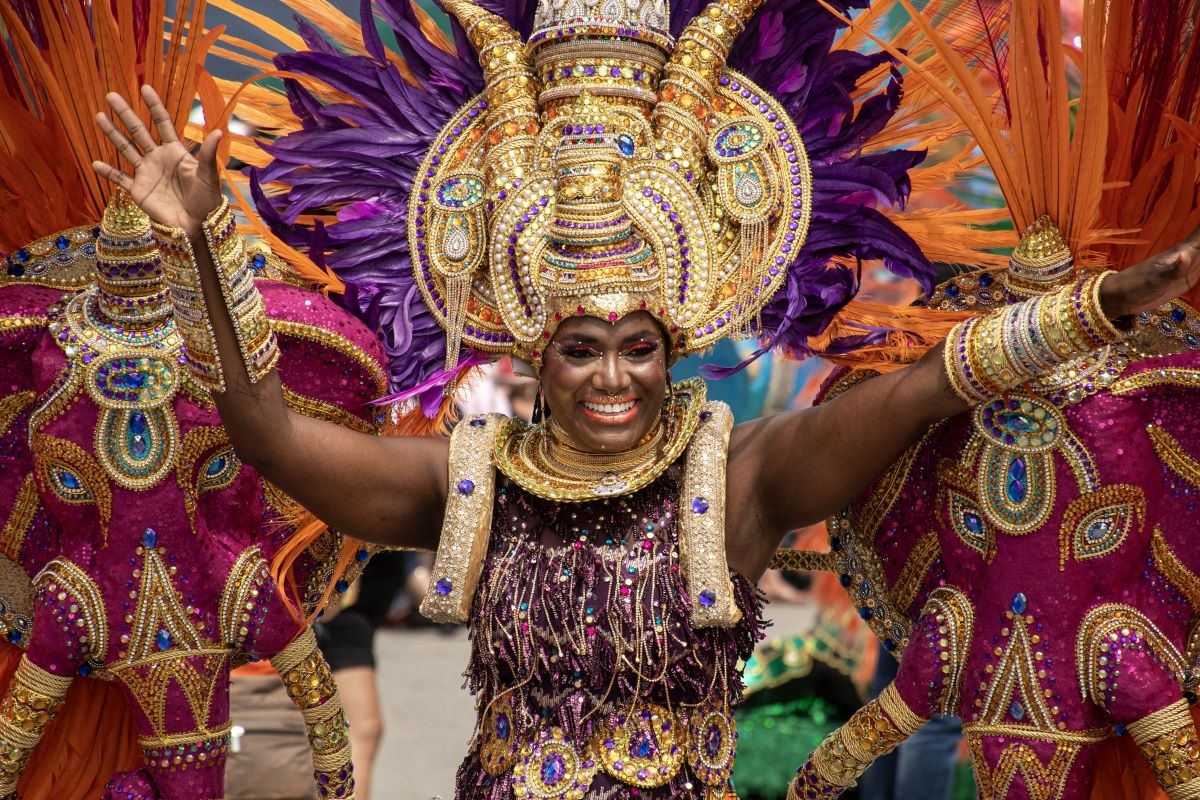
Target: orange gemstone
(701, 110)
(668, 93)
(511, 128)
(495, 137)
(531, 127)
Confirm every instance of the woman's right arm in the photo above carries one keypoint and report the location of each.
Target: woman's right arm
(387, 490)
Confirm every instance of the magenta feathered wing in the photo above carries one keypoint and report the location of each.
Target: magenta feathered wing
(357, 159)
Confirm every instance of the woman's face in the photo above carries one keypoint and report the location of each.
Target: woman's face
(605, 383)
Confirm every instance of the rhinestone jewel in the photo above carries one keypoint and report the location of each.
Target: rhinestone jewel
(456, 246)
(163, 640)
(699, 505)
(749, 190)
(466, 486)
(708, 598)
(1017, 710)
(443, 586)
(149, 538)
(1019, 603)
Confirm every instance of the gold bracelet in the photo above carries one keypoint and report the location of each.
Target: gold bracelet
(256, 342)
(1167, 738)
(31, 704)
(989, 356)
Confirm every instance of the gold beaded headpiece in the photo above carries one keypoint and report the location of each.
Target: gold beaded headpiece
(128, 266)
(607, 169)
(1042, 260)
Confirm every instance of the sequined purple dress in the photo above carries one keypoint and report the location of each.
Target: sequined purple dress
(588, 675)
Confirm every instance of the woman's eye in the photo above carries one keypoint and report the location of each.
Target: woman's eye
(579, 352)
(641, 350)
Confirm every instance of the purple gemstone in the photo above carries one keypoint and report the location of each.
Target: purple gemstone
(466, 486)
(444, 586)
(699, 505)
(708, 598)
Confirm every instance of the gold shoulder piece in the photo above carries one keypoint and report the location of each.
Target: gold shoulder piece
(702, 521)
(468, 521)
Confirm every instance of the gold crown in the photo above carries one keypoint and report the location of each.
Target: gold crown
(128, 266)
(1041, 260)
(606, 170)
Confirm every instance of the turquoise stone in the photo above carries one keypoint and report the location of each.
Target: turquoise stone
(1017, 484)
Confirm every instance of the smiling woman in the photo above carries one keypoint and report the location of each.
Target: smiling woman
(612, 197)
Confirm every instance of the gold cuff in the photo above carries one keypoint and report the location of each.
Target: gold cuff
(873, 731)
(1167, 738)
(988, 356)
(256, 343)
(32, 703)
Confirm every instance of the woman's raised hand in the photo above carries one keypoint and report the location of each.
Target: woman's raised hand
(171, 185)
(1155, 281)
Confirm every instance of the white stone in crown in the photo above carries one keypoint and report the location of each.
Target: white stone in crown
(651, 14)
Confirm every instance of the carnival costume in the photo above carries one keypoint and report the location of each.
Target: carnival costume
(136, 545)
(1034, 561)
(606, 164)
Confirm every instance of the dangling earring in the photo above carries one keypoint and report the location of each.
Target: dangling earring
(670, 399)
(539, 410)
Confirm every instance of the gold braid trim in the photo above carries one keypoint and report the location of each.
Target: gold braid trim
(873, 731)
(11, 406)
(804, 560)
(1184, 378)
(1167, 738)
(24, 508)
(32, 703)
(916, 567)
(305, 674)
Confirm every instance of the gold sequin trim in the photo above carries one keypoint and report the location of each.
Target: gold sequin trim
(1183, 378)
(1171, 453)
(1186, 582)
(916, 567)
(60, 397)
(196, 442)
(247, 580)
(24, 508)
(1098, 648)
(10, 324)
(12, 405)
(955, 618)
(1043, 780)
(702, 522)
(467, 525)
(319, 409)
(313, 333)
(63, 578)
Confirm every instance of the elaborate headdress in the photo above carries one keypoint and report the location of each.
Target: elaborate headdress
(609, 160)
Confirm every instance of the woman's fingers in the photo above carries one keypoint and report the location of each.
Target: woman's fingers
(158, 113)
(113, 174)
(125, 147)
(207, 154)
(131, 121)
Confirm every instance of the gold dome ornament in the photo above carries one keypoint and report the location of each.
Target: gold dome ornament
(607, 169)
(1042, 261)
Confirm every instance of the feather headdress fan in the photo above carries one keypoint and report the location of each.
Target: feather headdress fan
(337, 167)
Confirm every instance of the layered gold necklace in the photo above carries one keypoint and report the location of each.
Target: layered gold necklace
(543, 460)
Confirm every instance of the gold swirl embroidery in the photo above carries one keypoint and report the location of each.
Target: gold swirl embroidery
(11, 406)
(1183, 378)
(24, 508)
(1043, 780)
(916, 567)
(1186, 582)
(319, 409)
(245, 585)
(313, 333)
(196, 443)
(62, 575)
(50, 453)
(955, 618)
(1097, 523)
(1098, 648)
(1171, 453)
(55, 402)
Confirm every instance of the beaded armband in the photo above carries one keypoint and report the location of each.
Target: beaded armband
(985, 357)
(32, 703)
(306, 676)
(256, 343)
(1167, 738)
(873, 731)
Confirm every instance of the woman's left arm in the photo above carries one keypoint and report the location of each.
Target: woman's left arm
(799, 468)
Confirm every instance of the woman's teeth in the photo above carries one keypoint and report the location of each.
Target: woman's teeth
(609, 408)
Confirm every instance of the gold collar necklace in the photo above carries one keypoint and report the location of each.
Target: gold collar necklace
(544, 461)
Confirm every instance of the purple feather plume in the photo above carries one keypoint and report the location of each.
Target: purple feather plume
(359, 160)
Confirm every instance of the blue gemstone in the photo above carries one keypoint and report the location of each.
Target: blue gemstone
(699, 505)
(708, 598)
(973, 522)
(713, 738)
(163, 640)
(362, 556)
(135, 380)
(1119, 730)
(14, 636)
(553, 769)
(138, 447)
(137, 423)
(16, 270)
(1097, 531)
(1016, 422)
(865, 612)
(444, 586)
(1017, 710)
(835, 543)
(341, 586)
(503, 728)
(642, 746)
(216, 466)
(478, 422)
(952, 290)
(1017, 479)
(466, 486)
(986, 279)
(62, 243)
(85, 669)
(889, 645)
(95, 233)
(1178, 314)
(150, 538)
(68, 479)
(1019, 603)
(625, 144)
(23, 255)
(844, 579)
(259, 261)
